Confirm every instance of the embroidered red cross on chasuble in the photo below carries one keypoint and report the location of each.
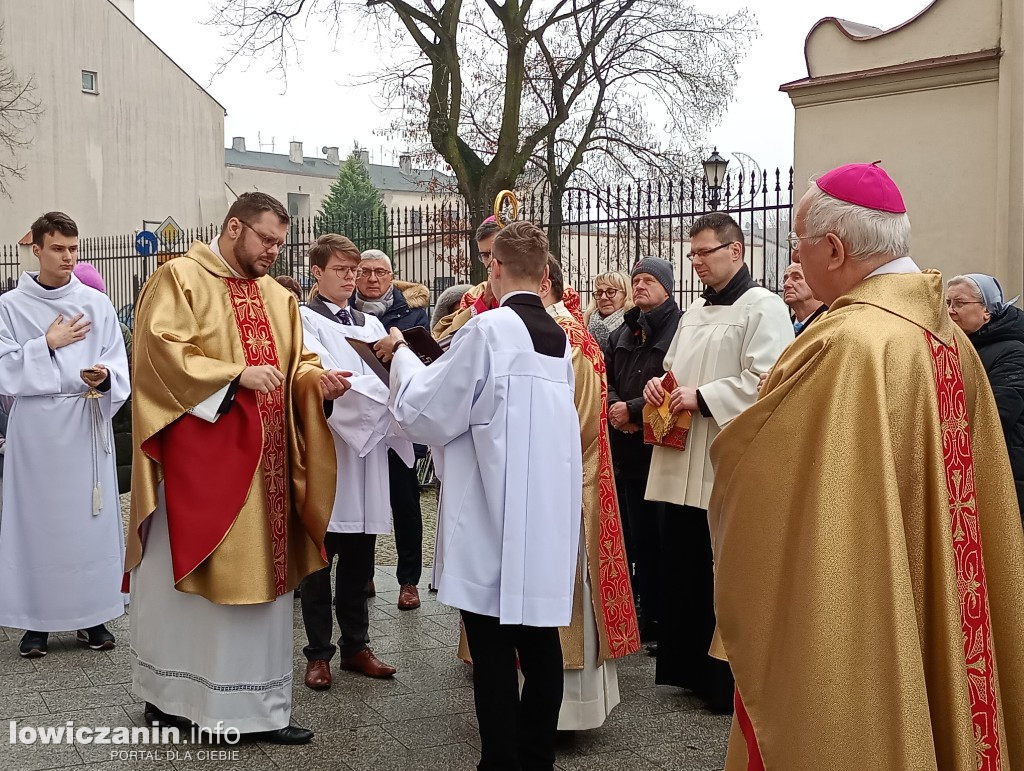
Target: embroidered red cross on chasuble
(965, 535)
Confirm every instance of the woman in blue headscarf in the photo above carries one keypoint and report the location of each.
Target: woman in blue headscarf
(975, 303)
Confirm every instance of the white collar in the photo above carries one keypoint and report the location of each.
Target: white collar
(899, 265)
(215, 248)
(557, 309)
(333, 308)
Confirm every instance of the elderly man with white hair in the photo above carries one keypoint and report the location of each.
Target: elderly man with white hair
(870, 573)
(401, 304)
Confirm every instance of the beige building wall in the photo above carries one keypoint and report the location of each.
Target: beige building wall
(938, 101)
(148, 145)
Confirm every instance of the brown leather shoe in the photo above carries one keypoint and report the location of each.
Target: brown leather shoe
(408, 597)
(371, 589)
(367, 663)
(318, 675)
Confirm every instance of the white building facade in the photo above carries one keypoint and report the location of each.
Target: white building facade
(125, 135)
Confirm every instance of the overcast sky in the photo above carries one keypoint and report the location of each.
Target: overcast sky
(319, 105)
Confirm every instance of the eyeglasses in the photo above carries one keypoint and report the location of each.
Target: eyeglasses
(606, 293)
(794, 240)
(958, 304)
(378, 272)
(345, 270)
(704, 253)
(485, 256)
(269, 242)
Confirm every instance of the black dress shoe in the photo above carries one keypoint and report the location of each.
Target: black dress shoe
(652, 648)
(288, 735)
(153, 714)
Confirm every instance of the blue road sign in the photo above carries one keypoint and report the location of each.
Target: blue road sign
(146, 243)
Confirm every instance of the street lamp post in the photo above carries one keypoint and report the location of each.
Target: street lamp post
(714, 178)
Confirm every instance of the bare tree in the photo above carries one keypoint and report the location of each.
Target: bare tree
(19, 110)
(497, 89)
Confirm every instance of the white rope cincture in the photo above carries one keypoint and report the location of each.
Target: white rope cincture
(98, 435)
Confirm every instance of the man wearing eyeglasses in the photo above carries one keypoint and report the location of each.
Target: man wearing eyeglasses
(478, 299)
(401, 304)
(869, 570)
(724, 342)
(362, 430)
(233, 481)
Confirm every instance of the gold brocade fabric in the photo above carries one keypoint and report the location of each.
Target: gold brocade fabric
(456, 320)
(836, 586)
(186, 348)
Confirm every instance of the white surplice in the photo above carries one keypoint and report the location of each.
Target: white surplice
(361, 424)
(590, 694)
(61, 538)
(504, 433)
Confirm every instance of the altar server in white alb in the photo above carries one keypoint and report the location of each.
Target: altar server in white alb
(498, 411)
(62, 358)
(725, 341)
(363, 429)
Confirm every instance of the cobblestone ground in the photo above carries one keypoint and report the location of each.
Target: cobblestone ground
(421, 720)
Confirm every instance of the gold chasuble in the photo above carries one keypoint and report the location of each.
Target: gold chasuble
(612, 593)
(249, 496)
(456, 320)
(868, 548)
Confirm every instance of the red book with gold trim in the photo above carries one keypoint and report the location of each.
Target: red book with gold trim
(661, 427)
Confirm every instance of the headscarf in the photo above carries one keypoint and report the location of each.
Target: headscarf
(991, 293)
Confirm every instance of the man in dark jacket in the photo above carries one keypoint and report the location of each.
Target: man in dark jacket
(804, 307)
(402, 305)
(635, 354)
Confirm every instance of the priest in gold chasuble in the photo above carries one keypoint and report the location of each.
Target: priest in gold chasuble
(604, 624)
(868, 548)
(233, 481)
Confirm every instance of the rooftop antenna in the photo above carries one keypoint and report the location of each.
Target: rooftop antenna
(262, 144)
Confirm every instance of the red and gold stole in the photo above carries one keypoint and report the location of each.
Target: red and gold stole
(260, 349)
(970, 564)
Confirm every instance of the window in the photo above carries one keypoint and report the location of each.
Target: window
(89, 82)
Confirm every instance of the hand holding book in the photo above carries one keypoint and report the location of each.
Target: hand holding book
(662, 426)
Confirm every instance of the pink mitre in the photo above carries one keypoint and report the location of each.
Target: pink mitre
(863, 184)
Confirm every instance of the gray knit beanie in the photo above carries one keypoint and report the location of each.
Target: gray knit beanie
(657, 267)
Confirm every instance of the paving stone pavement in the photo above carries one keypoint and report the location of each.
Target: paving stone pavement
(420, 720)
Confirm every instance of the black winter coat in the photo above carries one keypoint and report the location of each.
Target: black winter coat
(403, 314)
(1000, 344)
(636, 353)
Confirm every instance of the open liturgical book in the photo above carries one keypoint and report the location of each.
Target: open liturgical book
(661, 427)
(419, 340)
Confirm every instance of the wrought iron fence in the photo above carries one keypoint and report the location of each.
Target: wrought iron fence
(593, 231)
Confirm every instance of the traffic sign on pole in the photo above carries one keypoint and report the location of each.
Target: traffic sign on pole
(145, 243)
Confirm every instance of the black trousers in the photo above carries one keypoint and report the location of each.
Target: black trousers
(516, 732)
(642, 525)
(355, 552)
(688, 625)
(405, 512)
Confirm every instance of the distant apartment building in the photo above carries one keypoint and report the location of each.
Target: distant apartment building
(302, 183)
